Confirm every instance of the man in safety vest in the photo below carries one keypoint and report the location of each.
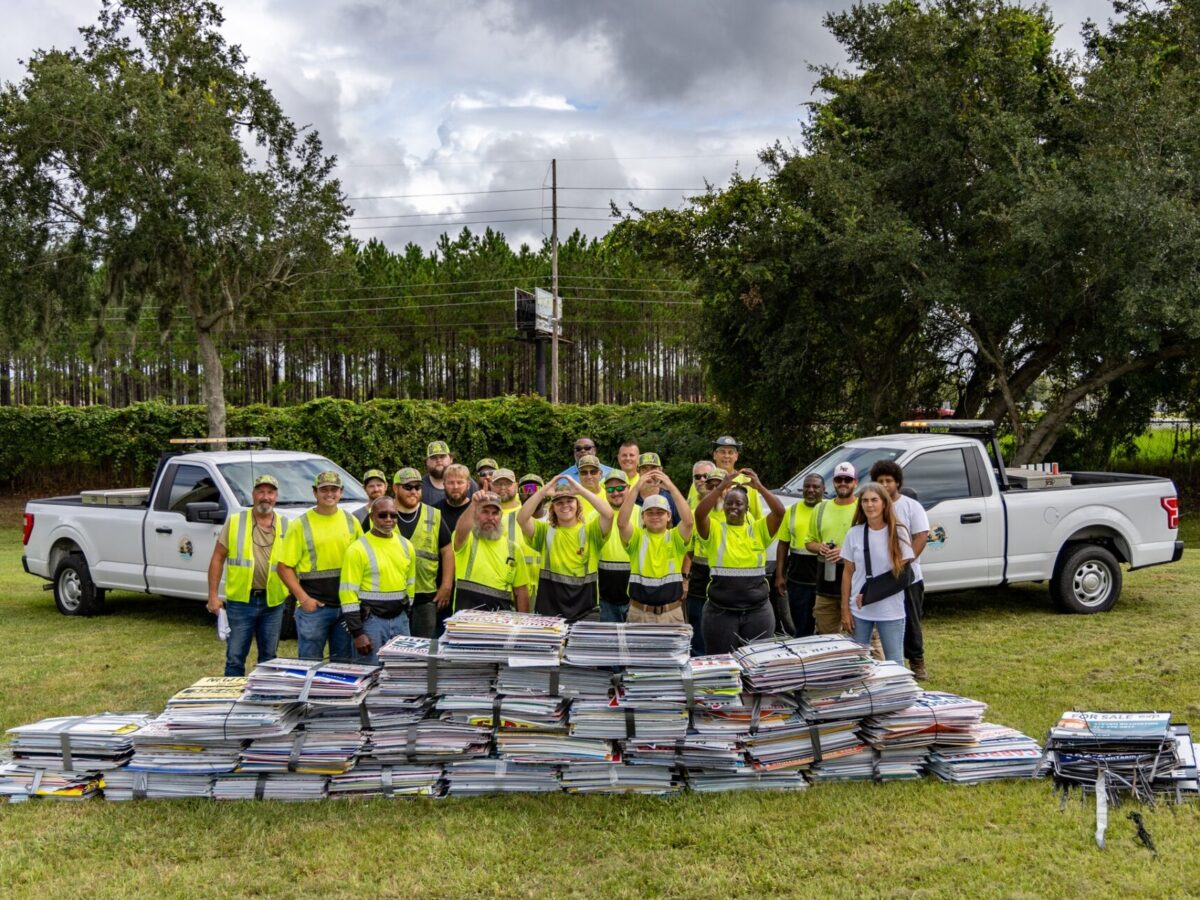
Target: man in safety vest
(247, 553)
(377, 580)
(310, 566)
(422, 524)
(656, 552)
(826, 533)
(614, 558)
(489, 567)
(796, 565)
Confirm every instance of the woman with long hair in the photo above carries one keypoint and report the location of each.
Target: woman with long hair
(877, 553)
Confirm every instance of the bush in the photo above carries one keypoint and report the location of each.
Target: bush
(65, 448)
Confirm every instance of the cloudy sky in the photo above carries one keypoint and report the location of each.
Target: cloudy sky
(447, 112)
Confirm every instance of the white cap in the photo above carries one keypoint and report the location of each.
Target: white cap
(844, 468)
(658, 501)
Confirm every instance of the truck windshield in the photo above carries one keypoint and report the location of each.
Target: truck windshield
(295, 477)
(862, 458)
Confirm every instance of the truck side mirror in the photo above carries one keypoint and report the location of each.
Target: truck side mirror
(206, 511)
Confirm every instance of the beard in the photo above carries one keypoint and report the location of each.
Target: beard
(437, 471)
(455, 497)
(486, 532)
(263, 508)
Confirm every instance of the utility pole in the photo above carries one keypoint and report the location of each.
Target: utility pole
(554, 280)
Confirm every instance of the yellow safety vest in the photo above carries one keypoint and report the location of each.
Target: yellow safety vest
(239, 564)
(425, 542)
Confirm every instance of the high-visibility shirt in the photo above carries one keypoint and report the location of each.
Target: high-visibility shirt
(613, 576)
(656, 566)
(737, 561)
(315, 547)
(247, 567)
(793, 530)
(514, 535)
(378, 573)
(570, 559)
(427, 539)
(487, 571)
(829, 524)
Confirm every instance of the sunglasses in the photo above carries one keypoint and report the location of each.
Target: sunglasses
(616, 488)
(843, 479)
(530, 488)
(589, 473)
(411, 487)
(584, 448)
(387, 515)
(485, 473)
(703, 477)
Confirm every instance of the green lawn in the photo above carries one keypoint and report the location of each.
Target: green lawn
(1005, 647)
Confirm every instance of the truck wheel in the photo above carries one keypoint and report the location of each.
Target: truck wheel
(75, 594)
(1087, 580)
(287, 628)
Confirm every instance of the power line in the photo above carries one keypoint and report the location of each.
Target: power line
(513, 162)
(473, 212)
(482, 222)
(518, 191)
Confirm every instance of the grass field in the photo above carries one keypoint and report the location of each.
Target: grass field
(929, 839)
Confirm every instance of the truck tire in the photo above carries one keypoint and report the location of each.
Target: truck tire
(75, 594)
(1086, 580)
(287, 628)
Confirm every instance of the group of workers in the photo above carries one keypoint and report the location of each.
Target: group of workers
(621, 544)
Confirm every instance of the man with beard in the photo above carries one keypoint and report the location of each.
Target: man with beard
(457, 481)
(247, 551)
(437, 458)
(614, 558)
(374, 482)
(489, 574)
(826, 534)
(795, 564)
(484, 469)
(423, 525)
(377, 580)
(310, 566)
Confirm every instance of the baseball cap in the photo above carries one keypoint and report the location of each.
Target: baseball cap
(843, 469)
(490, 499)
(486, 463)
(535, 479)
(716, 475)
(589, 460)
(649, 459)
(374, 473)
(327, 477)
(658, 501)
(264, 478)
(617, 475)
(504, 475)
(405, 475)
(727, 440)
(437, 448)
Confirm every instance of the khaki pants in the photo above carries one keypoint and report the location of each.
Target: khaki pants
(827, 612)
(674, 617)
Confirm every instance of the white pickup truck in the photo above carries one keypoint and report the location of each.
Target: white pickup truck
(987, 529)
(158, 540)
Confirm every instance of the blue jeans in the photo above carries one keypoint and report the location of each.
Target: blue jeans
(891, 635)
(613, 612)
(256, 620)
(380, 631)
(314, 629)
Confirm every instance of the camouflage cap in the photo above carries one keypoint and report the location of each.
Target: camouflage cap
(405, 475)
(616, 475)
(328, 477)
(589, 460)
(532, 479)
(504, 475)
(264, 478)
(486, 463)
(649, 459)
(490, 498)
(374, 473)
(437, 448)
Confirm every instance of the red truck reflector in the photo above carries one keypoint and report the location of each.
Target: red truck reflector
(1171, 505)
(28, 529)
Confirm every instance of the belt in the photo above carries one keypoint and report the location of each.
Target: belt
(656, 610)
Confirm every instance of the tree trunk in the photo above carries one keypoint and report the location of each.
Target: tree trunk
(214, 382)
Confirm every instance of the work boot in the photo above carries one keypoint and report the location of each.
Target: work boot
(918, 669)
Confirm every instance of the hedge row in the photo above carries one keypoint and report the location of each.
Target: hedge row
(66, 448)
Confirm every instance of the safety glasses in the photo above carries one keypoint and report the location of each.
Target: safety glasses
(616, 488)
(387, 515)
